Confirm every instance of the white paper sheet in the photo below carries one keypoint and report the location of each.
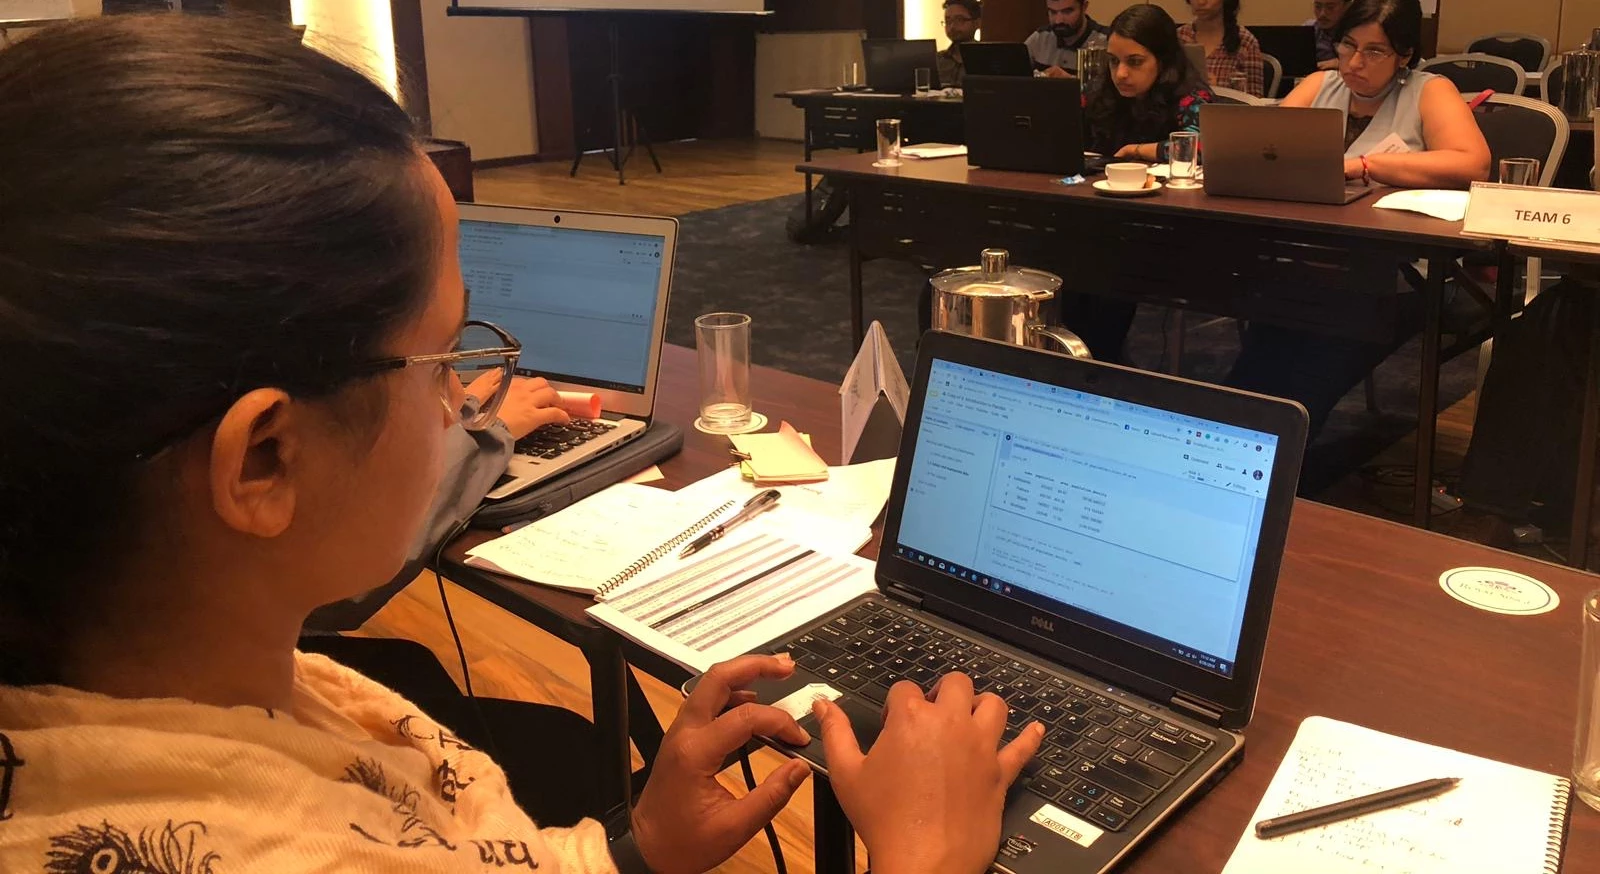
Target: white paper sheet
(1448, 205)
(852, 496)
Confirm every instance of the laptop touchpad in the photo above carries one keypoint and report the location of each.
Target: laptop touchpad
(865, 717)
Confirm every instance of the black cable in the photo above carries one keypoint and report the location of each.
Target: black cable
(461, 651)
(772, 833)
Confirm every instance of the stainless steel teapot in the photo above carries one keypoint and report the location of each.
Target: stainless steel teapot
(996, 301)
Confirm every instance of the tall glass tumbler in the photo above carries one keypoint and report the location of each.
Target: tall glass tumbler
(722, 341)
(1093, 69)
(1183, 159)
(1586, 751)
(888, 143)
(1519, 171)
(924, 82)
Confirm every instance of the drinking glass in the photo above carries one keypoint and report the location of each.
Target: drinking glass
(1519, 171)
(1586, 750)
(924, 80)
(850, 76)
(1239, 82)
(722, 341)
(1091, 69)
(1183, 158)
(888, 143)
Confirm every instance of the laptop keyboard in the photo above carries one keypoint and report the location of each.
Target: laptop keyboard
(1101, 759)
(555, 439)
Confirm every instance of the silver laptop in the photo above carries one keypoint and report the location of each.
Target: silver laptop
(1276, 153)
(1197, 59)
(586, 293)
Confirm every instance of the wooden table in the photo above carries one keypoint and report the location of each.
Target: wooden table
(1361, 632)
(1320, 268)
(846, 120)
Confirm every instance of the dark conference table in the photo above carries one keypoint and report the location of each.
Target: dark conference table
(1322, 268)
(1361, 632)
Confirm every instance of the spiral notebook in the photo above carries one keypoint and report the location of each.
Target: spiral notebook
(600, 544)
(1501, 819)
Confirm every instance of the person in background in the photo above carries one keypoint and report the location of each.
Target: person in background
(962, 18)
(1325, 17)
(269, 368)
(1054, 47)
(1151, 91)
(1383, 99)
(1233, 57)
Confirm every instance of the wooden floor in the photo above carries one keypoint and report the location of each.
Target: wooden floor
(511, 659)
(695, 175)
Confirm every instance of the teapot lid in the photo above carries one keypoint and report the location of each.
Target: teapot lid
(995, 277)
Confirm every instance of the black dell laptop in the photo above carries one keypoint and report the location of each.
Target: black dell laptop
(1024, 123)
(996, 59)
(892, 64)
(1097, 545)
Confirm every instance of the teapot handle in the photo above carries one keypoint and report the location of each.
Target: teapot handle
(1069, 342)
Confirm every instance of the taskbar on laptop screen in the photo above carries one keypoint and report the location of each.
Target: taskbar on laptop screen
(580, 379)
(1206, 661)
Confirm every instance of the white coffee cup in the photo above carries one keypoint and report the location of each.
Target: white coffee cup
(1127, 176)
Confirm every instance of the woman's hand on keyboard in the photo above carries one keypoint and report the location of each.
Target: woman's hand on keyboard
(686, 821)
(930, 794)
(529, 405)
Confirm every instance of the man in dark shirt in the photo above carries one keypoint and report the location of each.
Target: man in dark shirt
(1054, 47)
(1327, 14)
(962, 18)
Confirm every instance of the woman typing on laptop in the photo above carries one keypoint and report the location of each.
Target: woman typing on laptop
(1402, 128)
(1149, 92)
(243, 272)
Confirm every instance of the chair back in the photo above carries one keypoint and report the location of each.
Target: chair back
(1474, 73)
(1550, 84)
(1529, 50)
(1271, 75)
(1231, 96)
(1520, 127)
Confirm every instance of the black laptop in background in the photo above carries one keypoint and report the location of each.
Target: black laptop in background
(1033, 125)
(1097, 545)
(1295, 47)
(892, 64)
(996, 59)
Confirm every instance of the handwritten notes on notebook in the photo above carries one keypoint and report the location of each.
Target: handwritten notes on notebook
(1501, 819)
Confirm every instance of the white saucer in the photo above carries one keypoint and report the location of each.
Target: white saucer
(1102, 186)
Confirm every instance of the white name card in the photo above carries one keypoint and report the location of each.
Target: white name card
(1520, 212)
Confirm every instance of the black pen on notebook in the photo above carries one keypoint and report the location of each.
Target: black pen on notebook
(1342, 810)
(750, 510)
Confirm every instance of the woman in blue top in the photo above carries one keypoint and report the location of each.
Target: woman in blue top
(1402, 128)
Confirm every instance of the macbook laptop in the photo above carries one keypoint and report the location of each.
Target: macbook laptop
(996, 59)
(1097, 545)
(1023, 123)
(892, 64)
(1276, 153)
(586, 293)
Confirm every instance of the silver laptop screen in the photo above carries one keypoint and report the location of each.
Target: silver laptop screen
(1135, 521)
(582, 302)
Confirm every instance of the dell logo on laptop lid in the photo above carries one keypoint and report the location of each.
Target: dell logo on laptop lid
(1042, 623)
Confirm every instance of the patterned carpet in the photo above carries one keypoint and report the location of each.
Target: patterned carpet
(737, 258)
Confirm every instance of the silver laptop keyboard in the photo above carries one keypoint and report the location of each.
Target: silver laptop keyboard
(1101, 759)
(555, 440)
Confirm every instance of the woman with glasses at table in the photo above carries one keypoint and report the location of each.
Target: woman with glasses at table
(1403, 128)
(241, 272)
(1149, 91)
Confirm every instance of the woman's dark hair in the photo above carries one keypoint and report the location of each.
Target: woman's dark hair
(190, 208)
(1401, 21)
(1119, 120)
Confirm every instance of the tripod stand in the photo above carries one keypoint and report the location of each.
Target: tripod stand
(620, 118)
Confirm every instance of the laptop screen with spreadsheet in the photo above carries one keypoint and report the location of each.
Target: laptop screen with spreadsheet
(1135, 521)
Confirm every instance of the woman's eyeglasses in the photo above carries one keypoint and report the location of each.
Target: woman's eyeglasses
(1370, 55)
(483, 349)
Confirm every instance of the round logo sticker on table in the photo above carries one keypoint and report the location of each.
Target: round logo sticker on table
(1499, 591)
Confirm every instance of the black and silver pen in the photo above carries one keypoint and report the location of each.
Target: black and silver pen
(1342, 810)
(750, 510)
